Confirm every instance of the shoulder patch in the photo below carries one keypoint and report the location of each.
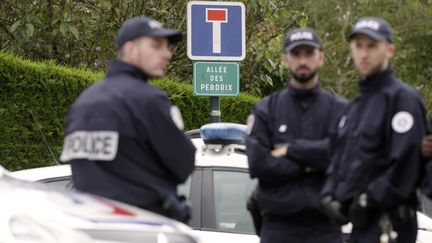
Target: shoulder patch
(402, 122)
(250, 123)
(90, 145)
(177, 117)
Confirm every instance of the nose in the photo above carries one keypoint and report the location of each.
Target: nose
(303, 60)
(362, 52)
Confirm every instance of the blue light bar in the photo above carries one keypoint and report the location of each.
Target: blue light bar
(223, 133)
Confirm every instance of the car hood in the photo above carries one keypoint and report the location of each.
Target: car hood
(74, 210)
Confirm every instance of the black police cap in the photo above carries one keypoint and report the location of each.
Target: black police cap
(301, 36)
(375, 28)
(144, 26)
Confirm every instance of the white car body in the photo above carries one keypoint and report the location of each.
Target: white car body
(208, 156)
(34, 212)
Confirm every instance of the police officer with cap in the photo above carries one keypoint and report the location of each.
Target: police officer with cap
(288, 147)
(124, 138)
(377, 164)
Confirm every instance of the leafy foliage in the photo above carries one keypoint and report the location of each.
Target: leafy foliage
(82, 33)
(35, 97)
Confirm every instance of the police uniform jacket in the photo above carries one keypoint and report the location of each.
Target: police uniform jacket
(377, 143)
(123, 140)
(291, 184)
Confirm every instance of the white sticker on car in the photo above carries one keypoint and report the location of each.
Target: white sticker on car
(91, 145)
(402, 122)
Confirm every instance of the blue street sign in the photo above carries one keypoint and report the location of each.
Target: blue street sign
(216, 31)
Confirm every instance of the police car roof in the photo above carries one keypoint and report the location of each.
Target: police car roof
(234, 159)
(206, 158)
(41, 173)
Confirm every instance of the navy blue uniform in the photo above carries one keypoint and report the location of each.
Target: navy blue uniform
(289, 187)
(426, 187)
(377, 152)
(123, 140)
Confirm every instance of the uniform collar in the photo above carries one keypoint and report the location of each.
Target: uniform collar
(119, 67)
(302, 93)
(374, 82)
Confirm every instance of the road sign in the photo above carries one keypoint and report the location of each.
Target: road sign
(216, 31)
(216, 78)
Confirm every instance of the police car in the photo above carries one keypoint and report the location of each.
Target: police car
(218, 188)
(33, 212)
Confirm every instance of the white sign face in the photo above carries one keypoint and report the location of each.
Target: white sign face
(216, 16)
(216, 31)
(402, 122)
(91, 145)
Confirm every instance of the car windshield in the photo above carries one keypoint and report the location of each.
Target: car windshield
(231, 191)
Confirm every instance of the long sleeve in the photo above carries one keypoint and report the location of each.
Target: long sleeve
(313, 153)
(177, 154)
(404, 166)
(262, 164)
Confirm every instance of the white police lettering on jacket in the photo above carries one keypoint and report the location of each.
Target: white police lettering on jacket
(126, 120)
(91, 145)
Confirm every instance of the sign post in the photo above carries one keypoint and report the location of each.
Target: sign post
(216, 42)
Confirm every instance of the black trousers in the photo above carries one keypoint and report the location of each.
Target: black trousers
(407, 232)
(307, 230)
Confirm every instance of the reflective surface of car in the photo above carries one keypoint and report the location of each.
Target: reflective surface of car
(34, 212)
(218, 189)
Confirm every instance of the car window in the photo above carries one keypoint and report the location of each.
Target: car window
(426, 205)
(231, 191)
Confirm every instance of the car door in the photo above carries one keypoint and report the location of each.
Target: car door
(224, 216)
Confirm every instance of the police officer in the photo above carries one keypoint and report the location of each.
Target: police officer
(377, 164)
(124, 138)
(287, 148)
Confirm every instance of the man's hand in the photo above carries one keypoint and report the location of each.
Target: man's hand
(427, 146)
(280, 151)
(359, 211)
(333, 209)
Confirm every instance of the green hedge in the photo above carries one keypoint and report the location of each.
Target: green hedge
(44, 91)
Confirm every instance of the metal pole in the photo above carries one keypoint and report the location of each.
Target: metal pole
(215, 112)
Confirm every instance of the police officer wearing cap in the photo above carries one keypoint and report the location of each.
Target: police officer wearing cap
(288, 147)
(124, 138)
(377, 164)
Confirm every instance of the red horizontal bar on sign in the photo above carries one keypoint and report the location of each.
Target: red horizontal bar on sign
(216, 15)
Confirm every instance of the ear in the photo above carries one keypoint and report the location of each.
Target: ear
(391, 50)
(321, 58)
